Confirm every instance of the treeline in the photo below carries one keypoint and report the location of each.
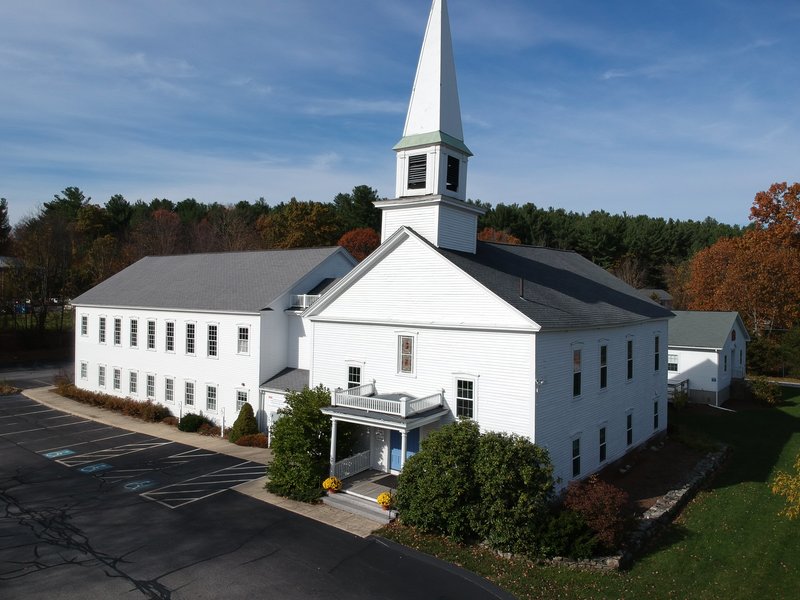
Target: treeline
(71, 244)
(644, 251)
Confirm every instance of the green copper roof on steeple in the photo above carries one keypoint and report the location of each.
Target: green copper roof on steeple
(428, 139)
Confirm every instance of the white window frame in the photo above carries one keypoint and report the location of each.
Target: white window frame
(656, 413)
(602, 442)
(215, 327)
(602, 365)
(657, 352)
(101, 329)
(671, 362)
(575, 456)
(209, 388)
(189, 392)
(101, 376)
(117, 333)
(630, 358)
(84, 325)
(133, 383)
(150, 386)
(242, 398)
(84, 370)
(151, 335)
(467, 378)
(243, 344)
(629, 428)
(576, 352)
(413, 336)
(169, 389)
(169, 340)
(354, 364)
(190, 338)
(133, 333)
(116, 379)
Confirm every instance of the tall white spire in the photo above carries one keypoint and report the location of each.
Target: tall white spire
(434, 102)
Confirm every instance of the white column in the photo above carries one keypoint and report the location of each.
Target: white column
(403, 448)
(333, 445)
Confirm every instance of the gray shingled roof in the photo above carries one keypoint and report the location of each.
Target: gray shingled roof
(701, 328)
(290, 379)
(227, 282)
(561, 289)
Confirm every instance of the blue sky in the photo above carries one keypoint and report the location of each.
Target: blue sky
(670, 108)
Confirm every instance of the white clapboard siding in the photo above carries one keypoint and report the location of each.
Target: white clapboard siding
(422, 219)
(394, 290)
(457, 229)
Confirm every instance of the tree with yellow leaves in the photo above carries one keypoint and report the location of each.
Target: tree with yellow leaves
(788, 486)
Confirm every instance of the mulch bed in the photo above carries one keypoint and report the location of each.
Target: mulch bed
(652, 471)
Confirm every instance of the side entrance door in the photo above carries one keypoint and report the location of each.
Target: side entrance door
(412, 447)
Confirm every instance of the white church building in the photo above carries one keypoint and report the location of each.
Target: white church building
(433, 326)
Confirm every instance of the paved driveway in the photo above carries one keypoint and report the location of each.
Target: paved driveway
(91, 511)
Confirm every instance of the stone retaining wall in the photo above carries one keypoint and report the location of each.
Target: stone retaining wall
(654, 520)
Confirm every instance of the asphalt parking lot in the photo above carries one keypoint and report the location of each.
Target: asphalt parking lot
(88, 510)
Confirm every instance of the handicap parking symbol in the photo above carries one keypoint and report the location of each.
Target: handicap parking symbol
(58, 453)
(142, 484)
(95, 468)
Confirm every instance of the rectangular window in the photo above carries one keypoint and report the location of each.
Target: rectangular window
(630, 359)
(211, 397)
(169, 339)
(117, 332)
(188, 394)
(151, 335)
(353, 377)
(603, 367)
(84, 370)
(417, 171)
(190, 338)
(576, 457)
(212, 340)
(576, 372)
(453, 165)
(134, 334)
(406, 354)
(740, 358)
(84, 325)
(629, 428)
(243, 345)
(241, 400)
(602, 444)
(117, 380)
(169, 389)
(101, 376)
(102, 330)
(465, 398)
(657, 354)
(151, 386)
(655, 414)
(672, 362)
(725, 362)
(133, 382)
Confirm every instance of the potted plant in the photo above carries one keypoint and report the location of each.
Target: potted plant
(332, 484)
(386, 500)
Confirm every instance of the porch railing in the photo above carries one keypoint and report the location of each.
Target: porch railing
(363, 398)
(303, 301)
(352, 465)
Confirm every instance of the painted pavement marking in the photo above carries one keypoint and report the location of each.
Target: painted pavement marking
(33, 412)
(45, 428)
(97, 455)
(59, 453)
(95, 468)
(204, 486)
(91, 441)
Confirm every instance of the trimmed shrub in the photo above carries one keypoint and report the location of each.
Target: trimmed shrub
(765, 391)
(146, 411)
(601, 505)
(256, 440)
(566, 534)
(6, 389)
(192, 422)
(515, 482)
(437, 491)
(245, 423)
(171, 421)
(209, 429)
(301, 445)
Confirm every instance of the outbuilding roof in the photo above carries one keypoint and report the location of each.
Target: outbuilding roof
(557, 289)
(703, 328)
(219, 282)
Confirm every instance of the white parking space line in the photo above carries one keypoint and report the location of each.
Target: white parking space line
(58, 417)
(98, 455)
(33, 412)
(204, 486)
(102, 439)
(45, 428)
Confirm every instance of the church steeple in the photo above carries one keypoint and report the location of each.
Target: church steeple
(432, 157)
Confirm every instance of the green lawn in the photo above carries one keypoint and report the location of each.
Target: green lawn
(728, 543)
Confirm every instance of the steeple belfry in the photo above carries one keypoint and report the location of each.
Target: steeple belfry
(432, 157)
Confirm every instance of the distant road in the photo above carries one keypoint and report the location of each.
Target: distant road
(34, 375)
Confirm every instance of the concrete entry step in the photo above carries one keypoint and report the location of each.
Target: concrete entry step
(369, 509)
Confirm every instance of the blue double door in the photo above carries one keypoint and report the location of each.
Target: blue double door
(395, 441)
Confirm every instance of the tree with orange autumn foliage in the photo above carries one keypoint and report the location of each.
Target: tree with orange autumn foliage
(360, 242)
(489, 234)
(777, 211)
